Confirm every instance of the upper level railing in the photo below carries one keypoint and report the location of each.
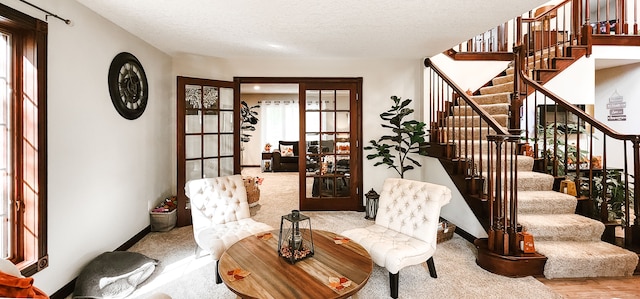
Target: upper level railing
(568, 19)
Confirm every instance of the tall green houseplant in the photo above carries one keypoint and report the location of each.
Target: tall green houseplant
(249, 116)
(395, 150)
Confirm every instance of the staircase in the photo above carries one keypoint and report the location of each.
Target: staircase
(570, 242)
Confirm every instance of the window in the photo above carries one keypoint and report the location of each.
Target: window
(23, 71)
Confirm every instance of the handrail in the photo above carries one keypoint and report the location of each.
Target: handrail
(585, 151)
(580, 113)
(484, 158)
(483, 114)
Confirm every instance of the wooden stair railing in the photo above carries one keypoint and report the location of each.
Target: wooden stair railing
(479, 155)
(572, 144)
(574, 22)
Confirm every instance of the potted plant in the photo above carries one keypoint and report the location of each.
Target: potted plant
(249, 117)
(395, 149)
(615, 195)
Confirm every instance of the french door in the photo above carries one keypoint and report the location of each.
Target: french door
(330, 131)
(205, 134)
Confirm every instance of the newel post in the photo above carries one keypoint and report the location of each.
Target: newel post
(635, 229)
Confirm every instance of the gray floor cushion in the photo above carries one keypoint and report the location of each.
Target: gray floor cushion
(113, 275)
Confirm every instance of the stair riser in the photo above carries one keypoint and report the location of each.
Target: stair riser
(454, 134)
(584, 232)
(522, 164)
(473, 147)
(526, 183)
(546, 202)
(586, 259)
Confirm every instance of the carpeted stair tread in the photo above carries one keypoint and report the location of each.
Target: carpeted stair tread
(505, 87)
(475, 120)
(534, 181)
(529, 181)
(585, 259)
(561, 227)
(525, 163)
(546, 202)
(490, 108)
(494, 98)
(502, 79)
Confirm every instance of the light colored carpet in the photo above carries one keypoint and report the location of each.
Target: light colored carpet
(181, 275)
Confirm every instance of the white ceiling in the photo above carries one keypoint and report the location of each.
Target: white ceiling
(308, 29)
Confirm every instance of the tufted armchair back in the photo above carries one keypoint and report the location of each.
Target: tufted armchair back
(217, 200)
(412, 207)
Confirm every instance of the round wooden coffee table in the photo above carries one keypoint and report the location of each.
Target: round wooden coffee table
(271, 276)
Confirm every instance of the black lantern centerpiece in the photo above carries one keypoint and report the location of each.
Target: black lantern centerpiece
(296, 239)
(372, 204)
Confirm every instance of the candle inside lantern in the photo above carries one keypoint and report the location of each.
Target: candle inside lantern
(296, 238)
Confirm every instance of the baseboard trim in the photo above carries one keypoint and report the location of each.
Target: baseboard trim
(465, 235)
(67, 289)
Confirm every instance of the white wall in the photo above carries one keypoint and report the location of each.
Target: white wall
(469, 75)
(382, 78)
(575, 91)
(620, 81)
(105, 172)
(457, 211)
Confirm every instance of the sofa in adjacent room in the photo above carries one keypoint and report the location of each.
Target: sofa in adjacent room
(285, 158)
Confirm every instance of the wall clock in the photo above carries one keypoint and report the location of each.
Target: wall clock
(128, 86)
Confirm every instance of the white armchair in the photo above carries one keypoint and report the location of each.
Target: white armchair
(220, 214)
(406, 227)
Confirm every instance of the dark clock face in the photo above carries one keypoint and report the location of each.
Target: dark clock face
(128, 86)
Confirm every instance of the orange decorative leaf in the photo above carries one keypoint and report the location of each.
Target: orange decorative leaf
(339, 283)
(237, 274)
(265, 236)
(340, 240)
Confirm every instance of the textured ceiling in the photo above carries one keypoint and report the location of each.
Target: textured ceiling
(309, 29)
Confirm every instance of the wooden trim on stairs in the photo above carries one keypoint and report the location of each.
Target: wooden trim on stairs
(496, 56)
(519, 265)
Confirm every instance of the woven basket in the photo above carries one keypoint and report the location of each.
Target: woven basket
(446, 234)
(253, 192)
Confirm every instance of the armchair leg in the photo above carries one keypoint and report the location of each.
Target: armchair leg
(393, 283)
(432, 268)
(218, 278)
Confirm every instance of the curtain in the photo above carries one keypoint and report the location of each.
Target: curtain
(280, 121)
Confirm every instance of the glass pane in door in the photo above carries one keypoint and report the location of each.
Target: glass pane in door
(205, 134)
(328, 126)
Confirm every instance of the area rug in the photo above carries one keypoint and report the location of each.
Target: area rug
(181, 275)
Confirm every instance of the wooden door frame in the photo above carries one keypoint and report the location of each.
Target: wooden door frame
(299, 80)
(184, 214)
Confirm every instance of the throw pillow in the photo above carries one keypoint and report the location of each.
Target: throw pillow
(343, 147)
(113, 275)
(286, 150)
(19, 287)
(6, 266)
